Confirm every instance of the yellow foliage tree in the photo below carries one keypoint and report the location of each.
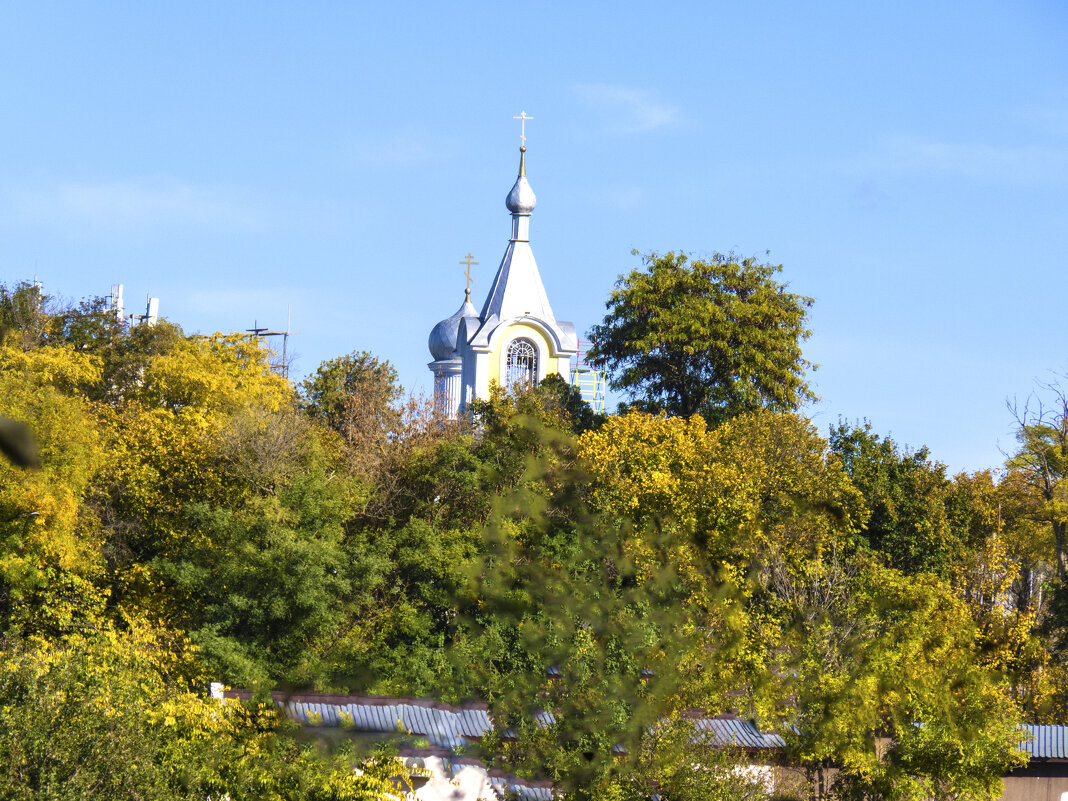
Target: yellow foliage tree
(760, 484)
(49, 542)
(109, 714)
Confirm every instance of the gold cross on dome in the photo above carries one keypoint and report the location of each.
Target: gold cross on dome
(468, 272)
(523, 126)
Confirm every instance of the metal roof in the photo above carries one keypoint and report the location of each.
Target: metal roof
(451, 727)
(740, 733)
(1046, 742)
(544, 719)
(525, 791)
(447, 728)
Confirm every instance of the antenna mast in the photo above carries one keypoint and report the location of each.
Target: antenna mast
(282, 368)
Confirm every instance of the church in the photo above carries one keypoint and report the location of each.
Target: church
(515, 338)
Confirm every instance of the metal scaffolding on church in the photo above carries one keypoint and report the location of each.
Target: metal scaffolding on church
(588, 379)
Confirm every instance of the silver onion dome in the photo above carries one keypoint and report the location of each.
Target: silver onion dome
(521, 199)
(443, 336)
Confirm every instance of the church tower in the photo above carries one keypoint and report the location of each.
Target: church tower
(515, 338)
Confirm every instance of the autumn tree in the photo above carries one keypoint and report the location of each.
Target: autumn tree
(356, 396)
(110, 713)
(177, 485)
(760, 484)
(593, 579)
(885, 686)
(50, 545)
(1042, 459)
(819, 640)
(714, 337)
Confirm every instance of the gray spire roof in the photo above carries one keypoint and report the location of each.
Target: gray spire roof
(517, 289)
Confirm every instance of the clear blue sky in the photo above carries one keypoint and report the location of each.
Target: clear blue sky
(907, 163)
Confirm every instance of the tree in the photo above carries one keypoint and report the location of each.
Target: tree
(49, 544)
(265, 587)
(715, 337)
(906, 493)
(841, 654)
(1042, 459)
(109, 713)
(356, 396)
(884, 683)
(576, 645)
(760, 484)
(92, 325)
(24, 319)
(685, 764)
(759, 490)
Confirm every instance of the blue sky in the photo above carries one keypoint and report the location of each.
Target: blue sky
(906, 163)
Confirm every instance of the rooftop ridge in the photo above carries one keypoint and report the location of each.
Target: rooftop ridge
(340, 699)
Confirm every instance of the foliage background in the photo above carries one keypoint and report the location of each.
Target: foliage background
(598, 580)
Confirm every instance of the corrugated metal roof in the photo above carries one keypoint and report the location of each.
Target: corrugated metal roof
(441, 727)
(544, 719)
(521, 789)
(1046, 742)
(451, 727)
(474, 722)
(417, 720)
(739, 733)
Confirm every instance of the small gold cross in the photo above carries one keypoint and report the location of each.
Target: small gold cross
(523, 126)
(468, 272)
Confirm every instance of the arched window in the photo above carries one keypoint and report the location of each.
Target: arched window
(522, 363)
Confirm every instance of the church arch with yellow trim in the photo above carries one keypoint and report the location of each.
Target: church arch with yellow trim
(523, 351)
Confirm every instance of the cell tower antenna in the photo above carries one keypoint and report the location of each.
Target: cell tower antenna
(116, 302)
(151, 315)
(283, 367)
(285, 337)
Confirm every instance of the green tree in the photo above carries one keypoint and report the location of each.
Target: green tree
(24, 316)
(576, 414)
(713, 337)
(906, 493)
(356, 396)
(884, 683)
(125, 357)
(414, 556)
(91, 325)
(577, 646)
(265, 587)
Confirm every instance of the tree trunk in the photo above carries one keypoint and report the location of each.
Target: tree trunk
(1060, 533)
(1025, 592)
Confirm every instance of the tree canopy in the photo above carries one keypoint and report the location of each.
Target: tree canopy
(714, 337)
(601, 581)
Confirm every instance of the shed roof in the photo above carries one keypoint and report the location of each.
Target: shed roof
(725, 732)
(1046, 742)
(447, 726)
